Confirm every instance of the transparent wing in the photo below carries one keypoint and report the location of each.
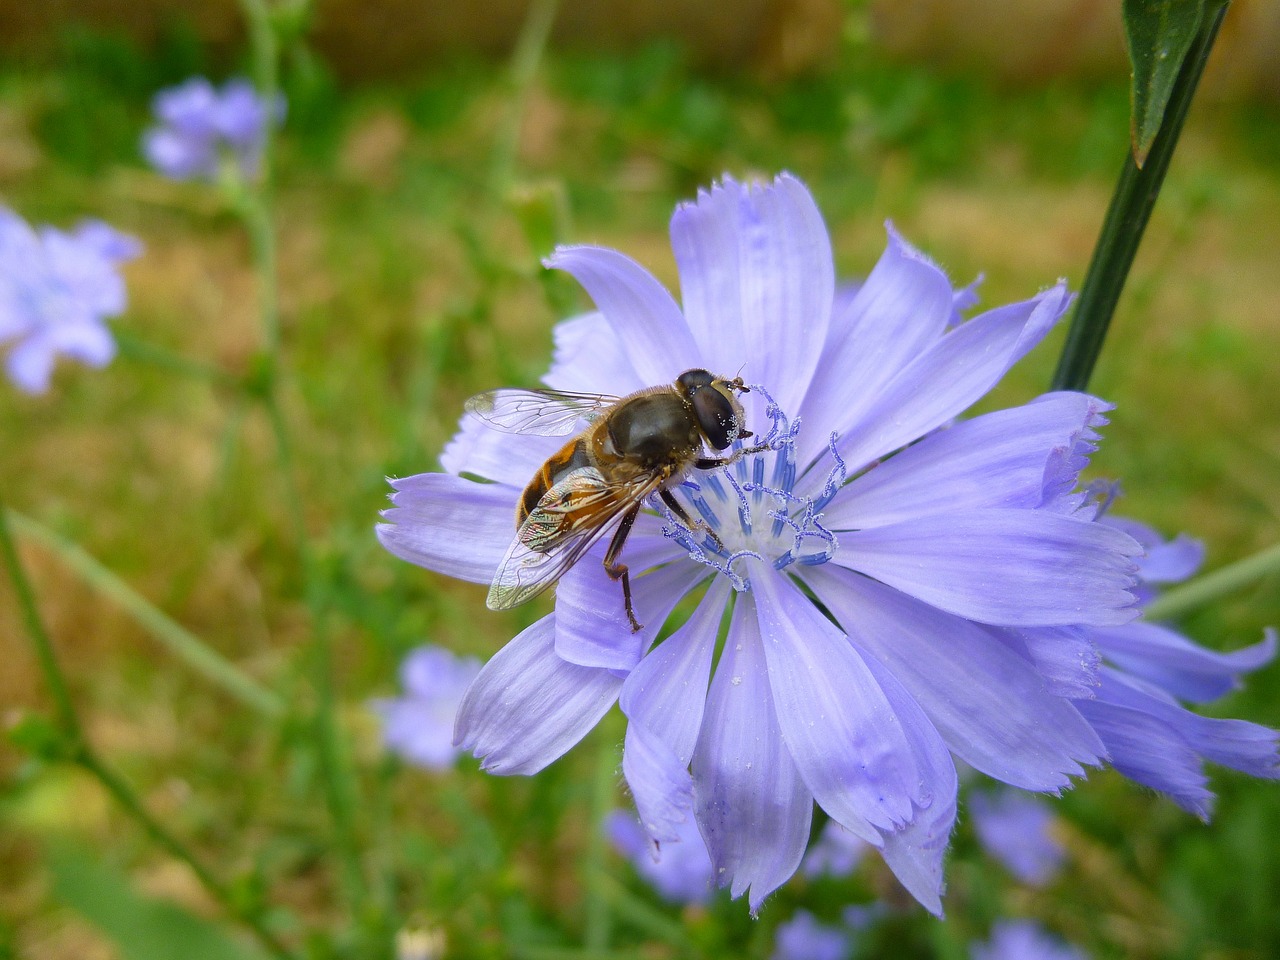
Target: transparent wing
(569, 518)
(543, 413)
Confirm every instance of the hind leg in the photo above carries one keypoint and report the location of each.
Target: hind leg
(618, 571)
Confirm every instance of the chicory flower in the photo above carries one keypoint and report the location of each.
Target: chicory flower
(57, 290)
(418, 726)
(1023, 940)
(874, 564)
(804, 937)
(836, 853)
(1016, 829)
(201, 127)
(1148, 670)
(680, 870)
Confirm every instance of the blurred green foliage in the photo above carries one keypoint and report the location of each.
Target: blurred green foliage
(406, 286)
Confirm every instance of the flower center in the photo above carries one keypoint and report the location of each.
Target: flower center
(750, 508)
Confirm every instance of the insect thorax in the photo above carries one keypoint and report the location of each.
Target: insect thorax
(654, 430)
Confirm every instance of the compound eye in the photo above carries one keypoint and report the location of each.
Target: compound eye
(691, 381)
(717, 417)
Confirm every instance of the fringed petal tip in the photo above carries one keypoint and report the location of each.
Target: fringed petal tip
(903, 247)
(728, 183)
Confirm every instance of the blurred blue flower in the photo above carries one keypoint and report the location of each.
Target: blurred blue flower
(804, 937)
(1148, 669)
(419, 725)
(202, 127)
(926, 543)
(1015, 828)
(679, 869)
(1023, 940)
(57, 289)
(836, 853)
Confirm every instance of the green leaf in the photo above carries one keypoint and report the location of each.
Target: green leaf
(1159, 34)
(39, 736)
(144, 928)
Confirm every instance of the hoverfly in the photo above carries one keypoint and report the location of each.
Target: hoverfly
(634, 446)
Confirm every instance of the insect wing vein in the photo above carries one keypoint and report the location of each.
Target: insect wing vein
(546, 546)
(541, 413)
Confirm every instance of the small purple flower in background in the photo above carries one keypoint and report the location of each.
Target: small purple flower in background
(1015, 828)
(1023, 940)
(57, 290)
(836, 853)
(804, 937)
(680, 869)
(931, 545)
(419, 725)
(201, 127)
(1148, 669)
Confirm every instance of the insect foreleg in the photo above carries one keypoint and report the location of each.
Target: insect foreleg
(710, 463)
(618, 571)
(674, 505)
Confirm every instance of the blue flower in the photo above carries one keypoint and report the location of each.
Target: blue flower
(419, 725)
(836, 853)
(57, 290)
(202, 127)
(925, 543)
(680, 870)
(1016, 829)
(1148, 670)
(1023, 940)
(804, 937)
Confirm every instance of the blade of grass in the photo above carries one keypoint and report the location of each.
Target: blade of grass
(179, 641)
(78, 750)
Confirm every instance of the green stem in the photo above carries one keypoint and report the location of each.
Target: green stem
(598, 919)
(81, 752)
(530, 47)
(339, 783)
(135, 349)
(254, 208)
(1131, 205)
(35, 628)
(1179, 600)
(643, 916)
(262, 238)
(265, 52)
(182, 643)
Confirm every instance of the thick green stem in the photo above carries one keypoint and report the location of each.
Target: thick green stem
(81, 752)
(1179, 600)
(1131, 205)
(182, 643)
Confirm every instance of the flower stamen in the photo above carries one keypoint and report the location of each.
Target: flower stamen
(794, 520)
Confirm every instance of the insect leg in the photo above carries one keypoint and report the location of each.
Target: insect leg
(710, 463)
(687, 520)
(618, 571)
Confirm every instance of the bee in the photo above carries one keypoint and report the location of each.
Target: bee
(633, 447)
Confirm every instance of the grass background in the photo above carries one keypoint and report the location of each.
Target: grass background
(407, 283)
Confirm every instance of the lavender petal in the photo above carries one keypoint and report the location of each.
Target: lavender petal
(527, 706)
(450, 525)
(757, 280)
